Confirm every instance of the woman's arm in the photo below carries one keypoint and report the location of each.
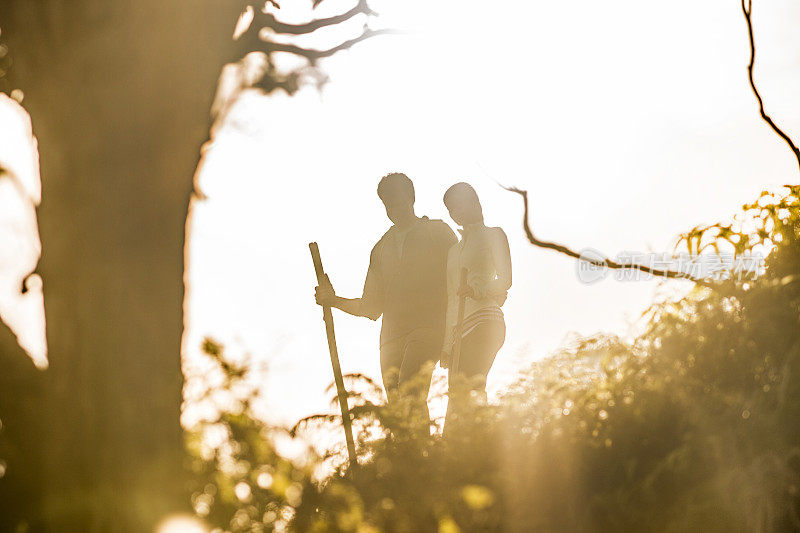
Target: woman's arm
(452, 302)
(501, 254)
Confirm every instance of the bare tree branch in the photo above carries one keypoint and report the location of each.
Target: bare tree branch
(251, 40)
(747, 9)
(313, 55)
(608, 263)
(267, 20)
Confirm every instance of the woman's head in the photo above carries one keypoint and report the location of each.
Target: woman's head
(462, 202)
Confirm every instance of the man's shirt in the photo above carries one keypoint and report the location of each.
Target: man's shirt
(407, 279)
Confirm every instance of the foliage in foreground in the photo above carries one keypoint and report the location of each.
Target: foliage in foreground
(691, 427)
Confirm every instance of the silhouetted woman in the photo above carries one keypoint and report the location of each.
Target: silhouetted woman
(483, 252)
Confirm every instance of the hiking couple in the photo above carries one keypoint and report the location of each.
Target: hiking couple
(413, 280)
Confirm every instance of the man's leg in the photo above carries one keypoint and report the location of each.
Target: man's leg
(421, 351)
(391, 360)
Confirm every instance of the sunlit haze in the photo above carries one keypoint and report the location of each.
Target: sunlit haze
(177, 177)
(627, 122)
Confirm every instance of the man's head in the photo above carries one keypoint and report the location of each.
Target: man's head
(463, 204)
(397, 194)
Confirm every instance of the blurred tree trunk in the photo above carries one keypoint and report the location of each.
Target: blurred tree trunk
(119, 94)
(20, 411)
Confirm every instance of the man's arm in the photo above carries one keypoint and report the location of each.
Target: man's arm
(325, 295)
(448, 238)
(370, 305)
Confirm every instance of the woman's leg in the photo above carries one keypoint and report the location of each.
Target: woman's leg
(478, 351)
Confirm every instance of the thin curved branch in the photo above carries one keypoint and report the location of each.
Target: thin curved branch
(271, 79)
(747, 9)
(267, 20)
(251, 39)
(313, 55)
(608, 263)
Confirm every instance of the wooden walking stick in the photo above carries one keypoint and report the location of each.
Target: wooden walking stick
(462, 300)
(327, 316)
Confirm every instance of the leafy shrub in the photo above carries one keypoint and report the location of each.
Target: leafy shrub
(693, 426)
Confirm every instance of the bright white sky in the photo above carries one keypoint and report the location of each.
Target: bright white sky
(628, 122)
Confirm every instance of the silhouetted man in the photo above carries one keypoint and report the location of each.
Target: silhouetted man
(407, 284)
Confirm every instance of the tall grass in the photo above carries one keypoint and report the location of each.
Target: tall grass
(693, 426)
